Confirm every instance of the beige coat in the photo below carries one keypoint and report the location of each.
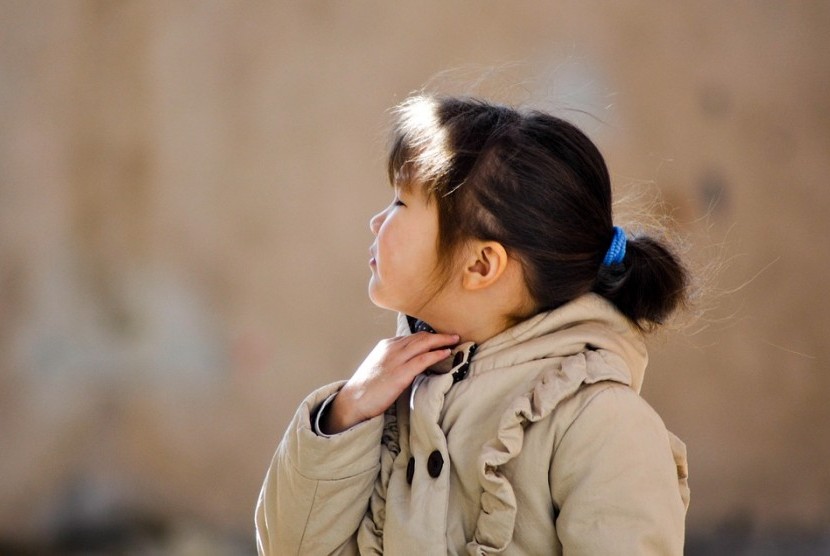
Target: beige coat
(545, 447)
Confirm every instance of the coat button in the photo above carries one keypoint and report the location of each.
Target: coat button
(435, 463)
(461, 373)
(410, 470)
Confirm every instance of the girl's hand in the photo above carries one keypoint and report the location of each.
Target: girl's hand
(385, 373)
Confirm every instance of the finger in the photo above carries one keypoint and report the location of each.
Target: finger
(426, 341)
(422, 362)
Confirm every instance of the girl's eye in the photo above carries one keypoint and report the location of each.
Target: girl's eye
(398, 203)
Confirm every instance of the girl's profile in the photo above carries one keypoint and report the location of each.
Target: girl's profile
(504, 417)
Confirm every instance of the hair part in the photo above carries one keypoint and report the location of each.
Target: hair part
(538, 185)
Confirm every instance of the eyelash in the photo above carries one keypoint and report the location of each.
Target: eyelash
(398, 203)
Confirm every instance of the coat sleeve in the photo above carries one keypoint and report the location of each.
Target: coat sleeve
(614, 480)
(317, 488)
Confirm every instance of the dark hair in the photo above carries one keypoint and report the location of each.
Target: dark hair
(537, 185)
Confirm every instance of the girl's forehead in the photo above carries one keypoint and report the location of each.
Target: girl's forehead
(410, 189)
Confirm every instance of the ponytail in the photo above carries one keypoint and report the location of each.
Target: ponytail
(647, 285)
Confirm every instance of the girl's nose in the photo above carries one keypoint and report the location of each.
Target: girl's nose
(376, 221)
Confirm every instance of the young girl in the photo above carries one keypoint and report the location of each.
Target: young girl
(504, 417)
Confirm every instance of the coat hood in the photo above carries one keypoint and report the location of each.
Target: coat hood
(589, 323)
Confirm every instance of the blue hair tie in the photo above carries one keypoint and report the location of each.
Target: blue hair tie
(616, 252)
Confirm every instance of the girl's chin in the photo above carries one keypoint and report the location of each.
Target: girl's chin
(375, 296)
(380, 304)
(378, 300)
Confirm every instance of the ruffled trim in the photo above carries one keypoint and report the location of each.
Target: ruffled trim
(494, 528)
(370, 532)
(389, 438)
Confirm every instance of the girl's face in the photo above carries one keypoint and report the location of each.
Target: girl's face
(404, 253)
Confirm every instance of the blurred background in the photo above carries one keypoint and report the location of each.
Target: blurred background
(185, 190)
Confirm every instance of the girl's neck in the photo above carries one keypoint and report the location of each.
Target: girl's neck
(477, 332)
(478, 316)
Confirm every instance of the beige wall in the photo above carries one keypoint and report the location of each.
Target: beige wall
(184, 195)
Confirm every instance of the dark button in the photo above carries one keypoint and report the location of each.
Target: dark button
(459, 357)
(410, 470)
(435, 463)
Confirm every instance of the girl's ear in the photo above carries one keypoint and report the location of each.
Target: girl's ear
(484, 265)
